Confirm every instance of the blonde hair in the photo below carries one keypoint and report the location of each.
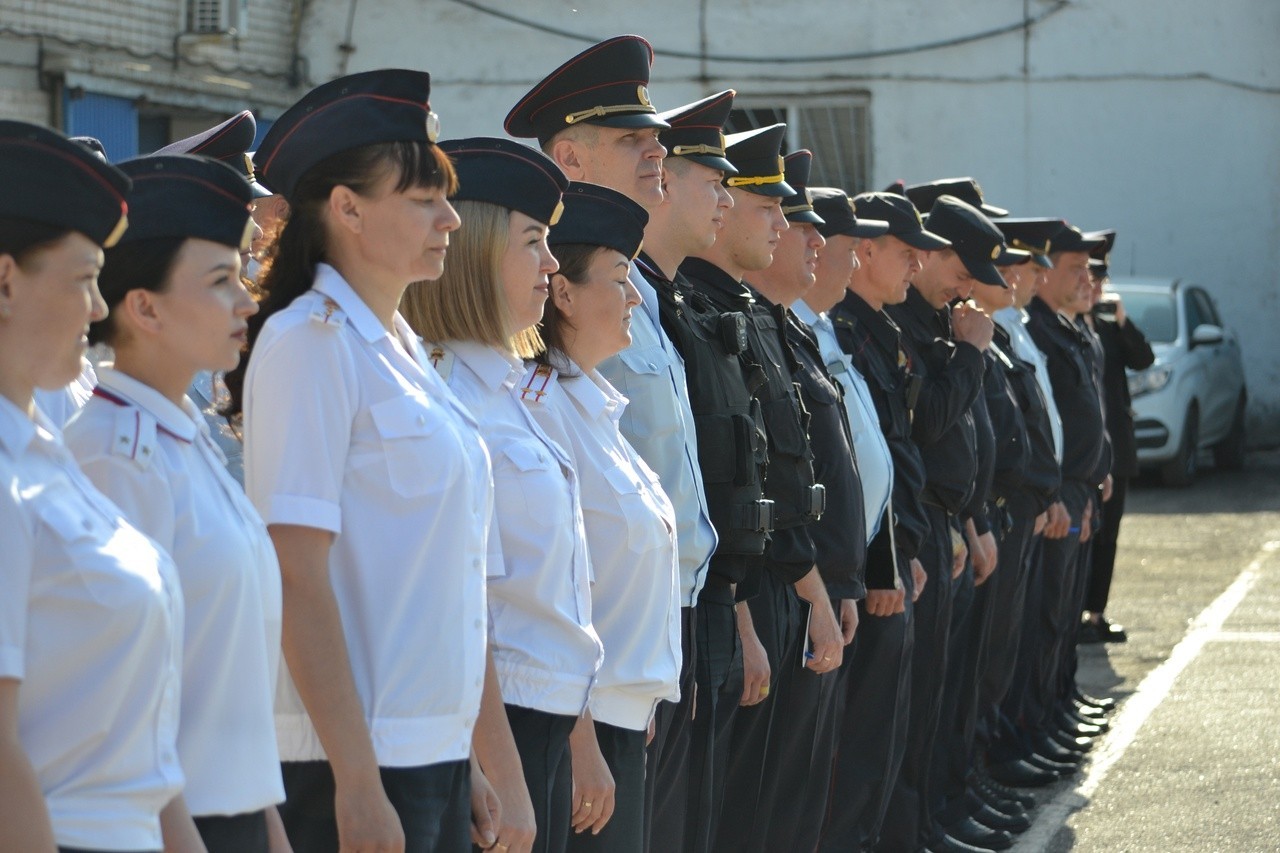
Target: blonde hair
(467, 302)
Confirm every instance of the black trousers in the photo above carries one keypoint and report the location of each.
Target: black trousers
(1059, 613)
(967, 640)
(753, 765)
(623, 751)
(542, 740)
(874, 695)
(718, 691)
(1018, 712)
(241, 833)
(907, 821)
(1104, 548)
(432, 802)
(666, 780)
(1008, 593)
(1066, 686)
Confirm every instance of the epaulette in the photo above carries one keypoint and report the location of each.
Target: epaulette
(537, 383)
(441, 359)
(328, 313)
(135, 435)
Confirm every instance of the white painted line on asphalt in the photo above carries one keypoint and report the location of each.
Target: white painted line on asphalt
(1137, 708)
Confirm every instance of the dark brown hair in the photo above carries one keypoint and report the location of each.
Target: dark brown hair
(138, 265)
(575, 265)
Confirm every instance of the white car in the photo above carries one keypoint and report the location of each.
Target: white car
(1193, 397)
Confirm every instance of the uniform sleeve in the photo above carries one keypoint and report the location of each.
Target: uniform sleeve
(144, 495)
(301, 400)
(945, 398)
(15, 578)
(1135, 351)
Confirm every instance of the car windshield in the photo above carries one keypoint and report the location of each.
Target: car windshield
(1154, 314)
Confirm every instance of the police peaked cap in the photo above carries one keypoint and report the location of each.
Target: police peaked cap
(389, 105)
(839, 219)
(607, 84)
(903, 219)
(1069, 238)
(1032, 234)
(508, 174)
(598, 216)
(799, 207)
(967, 190)
(183, 195)
(228, 142)
(47, 178)
(979, 243)
(757, 155)
(697, 131)
(1100, 256)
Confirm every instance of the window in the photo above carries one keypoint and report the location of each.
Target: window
(835, 128)
(1197, 315)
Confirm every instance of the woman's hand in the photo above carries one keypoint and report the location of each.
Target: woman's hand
(593, 785)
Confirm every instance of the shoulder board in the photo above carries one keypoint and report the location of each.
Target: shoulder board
(328, 313)
(134, 435)
(537, 383)
(441, 359)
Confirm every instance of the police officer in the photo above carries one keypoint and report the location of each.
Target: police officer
(966, 189)
(796, 775)
(90, 711)
(178, 306)
(690, 748)
(746, 245)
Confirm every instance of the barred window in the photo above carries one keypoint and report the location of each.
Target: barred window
(835, 128)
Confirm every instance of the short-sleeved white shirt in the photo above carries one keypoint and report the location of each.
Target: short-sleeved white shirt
(347, 429)
(158, 463)
(630, 526)
(91, 624)
(545, 649)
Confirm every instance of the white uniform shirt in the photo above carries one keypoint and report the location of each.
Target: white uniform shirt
(630, 526)
(545, 650)
(157, 462)
(347, 429)
(1013, 320)
(59, 405)
(91, 624)
(659, 425)
(874, 461)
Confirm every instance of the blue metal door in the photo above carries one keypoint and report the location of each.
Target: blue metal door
(113, 120)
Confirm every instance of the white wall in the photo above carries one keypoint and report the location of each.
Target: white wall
(1160, 118)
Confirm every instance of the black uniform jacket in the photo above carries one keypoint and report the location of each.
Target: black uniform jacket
(840, 536)
(1123, 347)
(874, 342)
(768, 366)
(1008, 426)
(1041, 477)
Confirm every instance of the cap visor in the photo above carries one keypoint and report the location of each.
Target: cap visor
(806, 216)
(984, 271)
(1042, 260)
(782, 189)
(992, 210)
(259, 191)
(924, 240)
(711, 162)
(867, 228)
(630, 120)
(1010, 257)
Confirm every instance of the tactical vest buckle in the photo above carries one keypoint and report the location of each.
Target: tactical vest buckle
(817, 500)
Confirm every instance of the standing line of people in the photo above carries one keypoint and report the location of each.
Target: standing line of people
(624, 493)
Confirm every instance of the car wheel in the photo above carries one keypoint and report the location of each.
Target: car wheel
(1229, 454)
(1181, 470)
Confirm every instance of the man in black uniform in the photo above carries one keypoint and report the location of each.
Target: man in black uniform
(689, 753)
(767, 622)
(797, 768)
(966, 189)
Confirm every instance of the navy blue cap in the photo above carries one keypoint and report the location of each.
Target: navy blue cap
(1100, 256)
(94, 144)
(508, 174)
(181, 195)
(607, 84)
(978, 242)
(1031, 234)
(227, 142)
(598, 216)
(903, 218)
(757, 155)
(697, 131)
(50, 179)
(897, 188)
(839, 219)
(389, 105)
(799, 207)
(967, 190)
(1069, 238)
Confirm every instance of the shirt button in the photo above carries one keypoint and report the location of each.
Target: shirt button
(652, 366)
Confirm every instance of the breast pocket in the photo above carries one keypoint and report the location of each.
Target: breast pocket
(649, 391)
(646, 530)
(534, 474)
(420, 451)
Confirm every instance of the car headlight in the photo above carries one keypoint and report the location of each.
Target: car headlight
(1151, 379)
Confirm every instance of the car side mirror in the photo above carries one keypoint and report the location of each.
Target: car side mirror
(1207, 333)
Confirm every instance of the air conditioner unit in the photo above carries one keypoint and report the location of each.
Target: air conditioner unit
(218, 17)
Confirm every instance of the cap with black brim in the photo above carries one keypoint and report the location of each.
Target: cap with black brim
(508, 174)
(798, 208)
(974, 238)
(839, 219)
(903, 218)
(696, 131)
(757, 155)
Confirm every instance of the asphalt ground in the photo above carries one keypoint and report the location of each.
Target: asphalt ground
(1192, 762)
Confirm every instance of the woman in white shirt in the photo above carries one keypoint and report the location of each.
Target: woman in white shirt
(477, 323)
(91, 610)
(177, 306)
(370, 476)
(630, 523)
